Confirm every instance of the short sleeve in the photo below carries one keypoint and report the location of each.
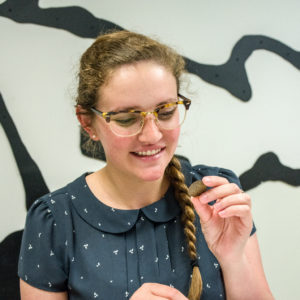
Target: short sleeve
(230, 176)
(41, 256)
(200, 171)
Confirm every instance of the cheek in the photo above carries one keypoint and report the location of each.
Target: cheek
(112, 143)
(173, 135)
(103, 131)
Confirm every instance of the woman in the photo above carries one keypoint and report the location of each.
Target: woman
(131, 230)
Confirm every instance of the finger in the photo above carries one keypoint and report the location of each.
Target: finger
(213, 181)
(241, 198)
(169, 293)
(165, 292)
(241, 211)
(203, 210)
(220, 191)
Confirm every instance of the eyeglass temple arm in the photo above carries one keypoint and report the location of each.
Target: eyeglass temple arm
(105, 116)
(187, 102)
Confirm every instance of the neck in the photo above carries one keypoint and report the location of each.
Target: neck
(123, 192)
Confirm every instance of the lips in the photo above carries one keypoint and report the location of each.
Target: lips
(148, 152)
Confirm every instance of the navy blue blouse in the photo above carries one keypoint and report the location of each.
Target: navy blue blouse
(73, 242)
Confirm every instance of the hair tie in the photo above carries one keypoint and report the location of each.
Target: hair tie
(194, 263)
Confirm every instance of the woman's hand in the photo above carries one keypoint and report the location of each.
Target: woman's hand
(156, 291)
(228, 223)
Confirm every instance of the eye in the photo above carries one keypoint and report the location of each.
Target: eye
(125, 119)
(167, 112)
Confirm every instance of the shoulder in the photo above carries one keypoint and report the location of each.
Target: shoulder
(45, 214)
(51, 215)
(48, 208)
(57, 202)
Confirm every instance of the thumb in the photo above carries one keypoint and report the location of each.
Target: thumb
(204, 210)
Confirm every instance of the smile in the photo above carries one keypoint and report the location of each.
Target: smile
(148, 153)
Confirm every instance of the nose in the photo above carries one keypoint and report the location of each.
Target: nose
(150, 133)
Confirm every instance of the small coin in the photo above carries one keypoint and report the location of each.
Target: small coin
(197, 188)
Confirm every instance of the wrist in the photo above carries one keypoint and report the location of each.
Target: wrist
(234, 265)
(232, 259)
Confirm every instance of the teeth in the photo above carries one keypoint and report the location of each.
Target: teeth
(148, 153)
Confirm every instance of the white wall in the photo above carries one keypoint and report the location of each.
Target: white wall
(37, 82)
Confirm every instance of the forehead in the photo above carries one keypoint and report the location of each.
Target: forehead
(141, 85)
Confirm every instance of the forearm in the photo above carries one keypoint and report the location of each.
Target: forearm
(243, 280)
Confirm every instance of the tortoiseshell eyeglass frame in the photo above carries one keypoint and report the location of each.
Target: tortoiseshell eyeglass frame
(106, 115)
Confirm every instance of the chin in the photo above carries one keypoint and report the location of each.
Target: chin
(151, 175)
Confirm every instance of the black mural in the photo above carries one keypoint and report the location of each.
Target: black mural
(9, 255)
(231, 76)
(74, 19)
(268, 168)
(32, 178)
(35, 187)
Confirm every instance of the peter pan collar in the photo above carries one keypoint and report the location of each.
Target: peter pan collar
(108, 219)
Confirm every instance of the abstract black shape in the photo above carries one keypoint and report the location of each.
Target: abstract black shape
(269, 168)
(231, 75)
(74, 19)
(9, 255)
(32, 178)
(35, 187)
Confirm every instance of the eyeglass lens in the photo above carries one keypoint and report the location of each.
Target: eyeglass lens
(128, 124)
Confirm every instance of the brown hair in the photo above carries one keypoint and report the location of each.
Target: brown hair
(110, 51)
(97, 64)
(173, 171)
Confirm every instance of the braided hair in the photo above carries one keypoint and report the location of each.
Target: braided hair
(176, 177)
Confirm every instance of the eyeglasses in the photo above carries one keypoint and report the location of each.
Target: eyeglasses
(130, 122)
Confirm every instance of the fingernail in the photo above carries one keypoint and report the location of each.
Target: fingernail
(206, 179)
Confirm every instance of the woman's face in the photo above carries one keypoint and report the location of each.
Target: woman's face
(142, 86)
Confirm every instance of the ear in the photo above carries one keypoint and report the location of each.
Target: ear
(85, 120)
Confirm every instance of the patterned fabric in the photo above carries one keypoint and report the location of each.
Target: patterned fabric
(74, 242)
